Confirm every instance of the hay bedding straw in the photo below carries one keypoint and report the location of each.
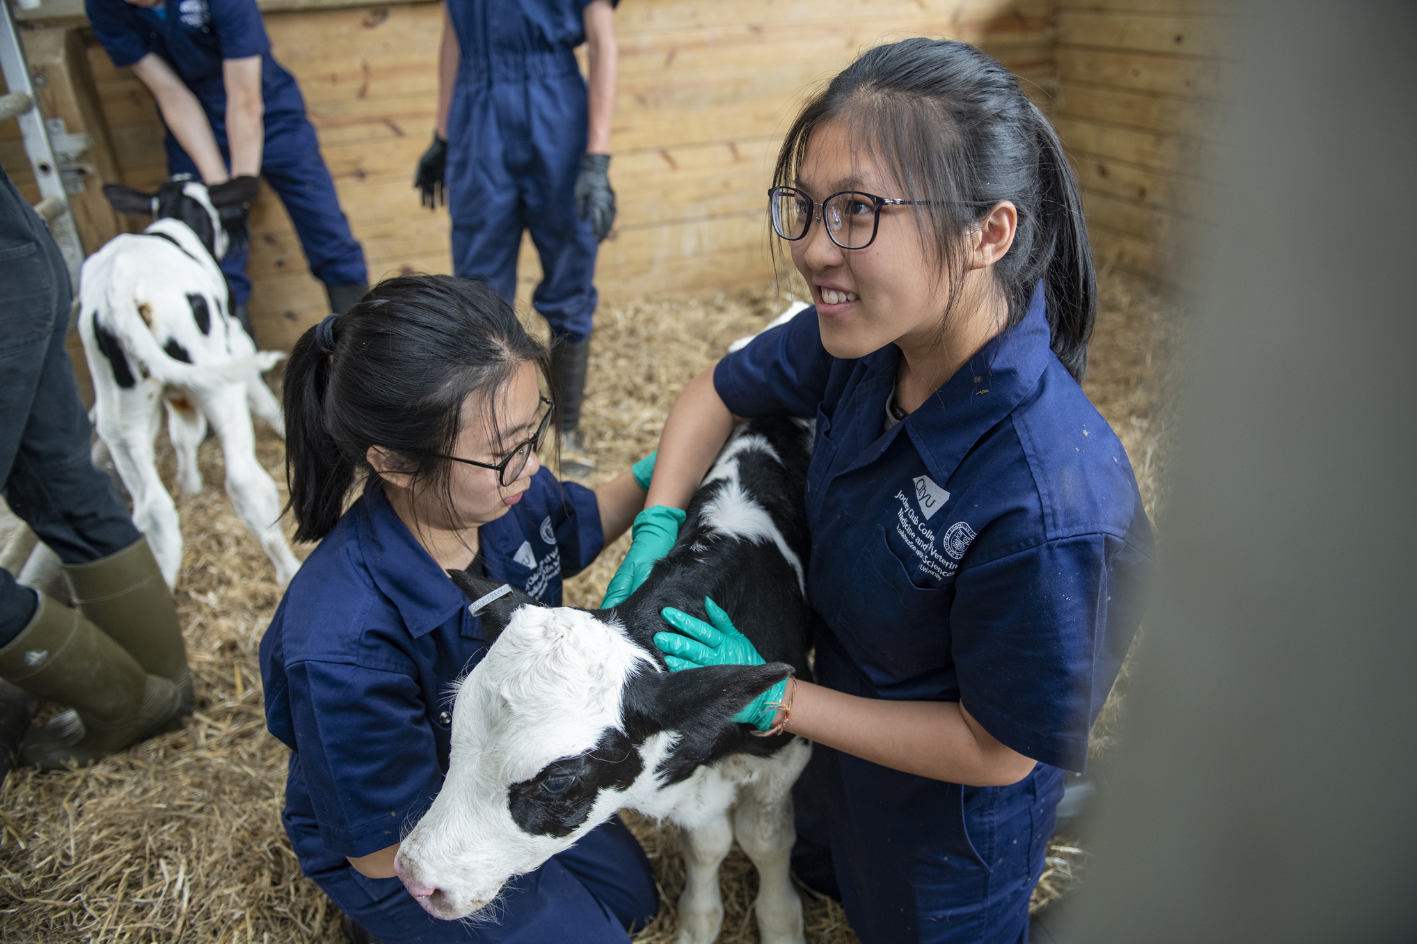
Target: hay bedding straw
(179, 839)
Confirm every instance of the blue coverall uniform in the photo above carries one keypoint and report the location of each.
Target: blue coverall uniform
(194, 37)
(357, 665)
(998, 552)
(516, 131)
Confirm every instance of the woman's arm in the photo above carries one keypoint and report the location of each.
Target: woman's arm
(183, 115)
(376, 864)
(602, 56)
(698, 426)
(245, 114)
(620, 500)
(940, 740)
(449, 55)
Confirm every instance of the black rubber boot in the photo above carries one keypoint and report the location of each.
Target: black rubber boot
(16, 709)
(125, 596)
(569, 364)
(344, 297)
(60, 656)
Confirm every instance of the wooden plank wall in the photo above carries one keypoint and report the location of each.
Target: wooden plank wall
(1138, 86)
(706, 91)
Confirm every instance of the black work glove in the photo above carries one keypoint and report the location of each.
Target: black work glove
(594, 198)
(236, 192)
(232, 201)
(429, 177)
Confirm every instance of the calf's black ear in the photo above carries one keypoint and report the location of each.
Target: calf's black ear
(128, 201)
(702, 699)
(497, 600)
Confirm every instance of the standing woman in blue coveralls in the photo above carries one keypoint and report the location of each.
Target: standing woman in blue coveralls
(233, 114)
(522, 143)
(979, 546)
(427, 394)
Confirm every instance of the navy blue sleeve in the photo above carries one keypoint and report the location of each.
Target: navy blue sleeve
(114, 31)
(573, 513)
(239, 29)
(1038, 637)
(367, 750)
(781, 372)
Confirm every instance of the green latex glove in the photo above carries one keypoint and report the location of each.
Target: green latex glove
(719, 644)
(643, 470)
(652, 535)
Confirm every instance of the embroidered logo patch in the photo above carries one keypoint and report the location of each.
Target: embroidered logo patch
(548, 533)
(957, 539)
(193, 12)
(929, 496)
(524, 556)
(36, 657)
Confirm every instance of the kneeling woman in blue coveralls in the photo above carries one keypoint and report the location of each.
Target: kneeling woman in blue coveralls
(428, 390)
(978, 542)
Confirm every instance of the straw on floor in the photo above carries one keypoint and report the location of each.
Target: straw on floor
(179, 839)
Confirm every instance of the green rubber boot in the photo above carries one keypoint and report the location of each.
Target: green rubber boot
(63, 657)
(125, 596)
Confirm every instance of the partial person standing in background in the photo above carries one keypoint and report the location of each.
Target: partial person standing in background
(522, 143)
(233, 114)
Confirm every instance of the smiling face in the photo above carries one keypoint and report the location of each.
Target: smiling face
(866, 298)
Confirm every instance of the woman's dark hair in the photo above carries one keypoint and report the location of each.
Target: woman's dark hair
(955, 129)
(394, 371)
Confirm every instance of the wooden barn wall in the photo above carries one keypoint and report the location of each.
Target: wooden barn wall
(706, 91)
(1136, 107)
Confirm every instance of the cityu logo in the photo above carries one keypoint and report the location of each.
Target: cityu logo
(929, 496)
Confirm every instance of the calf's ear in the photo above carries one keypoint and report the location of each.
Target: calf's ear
(128, 201)
(497, 600)
(703, 699)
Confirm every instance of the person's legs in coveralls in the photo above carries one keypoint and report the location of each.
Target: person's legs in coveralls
(963, 874)
(514, 155)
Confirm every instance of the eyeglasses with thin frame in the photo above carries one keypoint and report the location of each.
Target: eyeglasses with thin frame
(510, 468)
(852, 216)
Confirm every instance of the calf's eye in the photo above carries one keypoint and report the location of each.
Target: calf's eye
(555, 784)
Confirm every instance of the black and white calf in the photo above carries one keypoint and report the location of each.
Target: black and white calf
(157, 334)
(573, 714)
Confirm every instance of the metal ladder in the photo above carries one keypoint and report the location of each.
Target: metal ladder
(20, 103)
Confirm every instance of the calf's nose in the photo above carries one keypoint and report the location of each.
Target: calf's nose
(414, 889)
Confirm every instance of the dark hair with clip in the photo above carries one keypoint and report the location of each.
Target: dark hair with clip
(953, 128)
(394, 371)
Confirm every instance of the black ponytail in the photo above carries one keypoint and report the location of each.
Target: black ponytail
(394, 371)
(317, 473)
(957, 132)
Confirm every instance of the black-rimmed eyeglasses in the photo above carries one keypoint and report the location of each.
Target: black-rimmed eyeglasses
(510, 468)
(852, 217)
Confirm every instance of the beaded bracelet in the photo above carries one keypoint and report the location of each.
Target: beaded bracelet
(785, 707)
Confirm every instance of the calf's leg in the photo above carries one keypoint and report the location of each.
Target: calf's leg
(700, 905)
(185, 427)
(763, 826)
(129, 424)
(252, 491)
(263, 403)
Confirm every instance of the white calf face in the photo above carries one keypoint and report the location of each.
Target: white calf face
(538, 759)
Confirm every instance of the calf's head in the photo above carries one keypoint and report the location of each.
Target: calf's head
(184, 199)
(566, 720)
